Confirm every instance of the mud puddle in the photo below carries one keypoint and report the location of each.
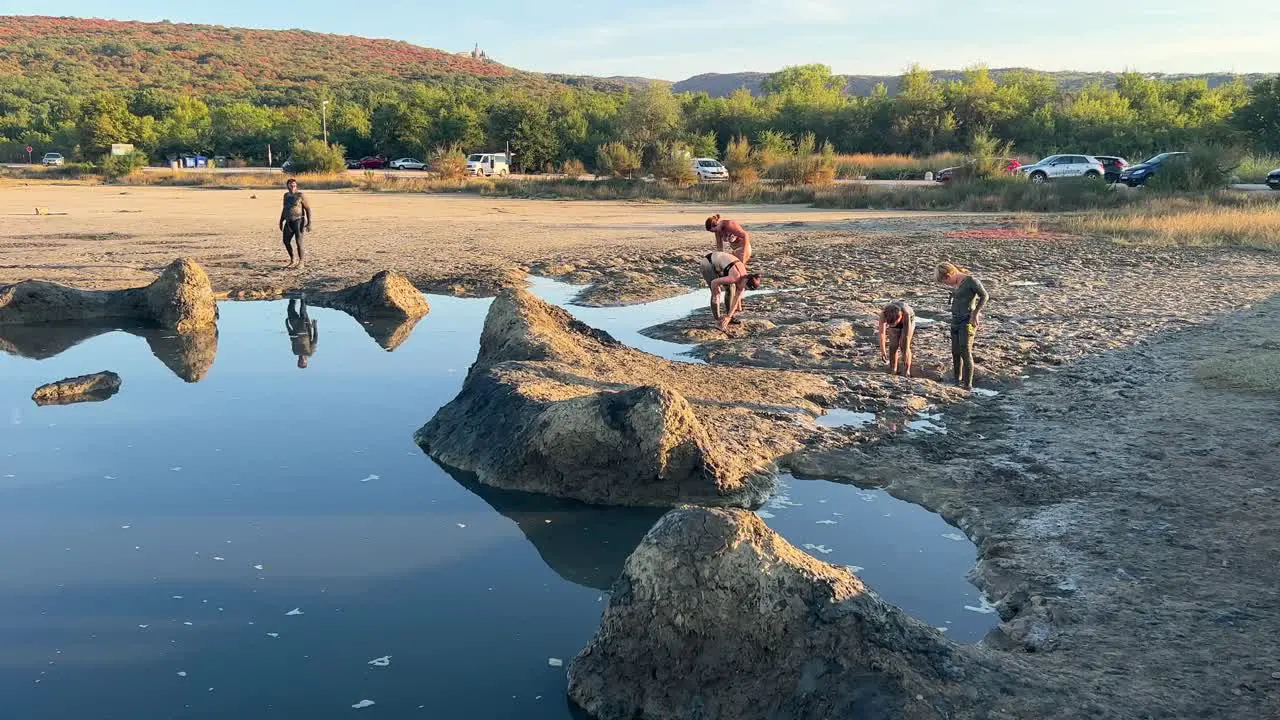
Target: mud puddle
(268, 541)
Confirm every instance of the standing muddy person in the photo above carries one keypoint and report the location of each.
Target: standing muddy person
(733, 233)
(724, 271)
(968, 298)
(295, 219)
(898, 323)
(303, 334)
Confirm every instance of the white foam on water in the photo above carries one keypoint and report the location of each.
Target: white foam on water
(984, 607)
(765, 514)
(176, 469)
(984, 392)
(220, 559)
(295, 611)
(271, 635)
(108, 477)
(125, 527)
(555, 662)
(371, 477)
(384, 661)
(188, 623)
(855, 568)
(818, 548)
(363, 704)
(826, 522)
(257, 567)
(955, 536)
(462, 525)
(144, 627)
(177, 597)
(182, 674)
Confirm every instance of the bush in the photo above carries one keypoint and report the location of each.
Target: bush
(1203, 168)
(118, 166)
(313, 156)
(772, 147)
(617, 159)
(573, 168)
(675, 165)
(807, 165)
(739, 162)
(449, 162)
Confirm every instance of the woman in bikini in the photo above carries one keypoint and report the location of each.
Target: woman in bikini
(724, 271)
(732, 232)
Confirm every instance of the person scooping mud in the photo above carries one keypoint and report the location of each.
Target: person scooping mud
(303, 335)
(724, 272)
(731, 232)
(295, 219)
(898, 326)
(968, 298)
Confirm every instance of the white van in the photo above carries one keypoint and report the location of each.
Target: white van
(710, 170)
(488, 164)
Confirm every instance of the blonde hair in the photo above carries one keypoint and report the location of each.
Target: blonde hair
(712, 221)
(946, 270)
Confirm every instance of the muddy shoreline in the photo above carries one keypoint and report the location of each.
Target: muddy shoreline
(1126, 514)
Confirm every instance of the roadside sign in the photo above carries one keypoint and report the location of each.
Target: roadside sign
(29, 149)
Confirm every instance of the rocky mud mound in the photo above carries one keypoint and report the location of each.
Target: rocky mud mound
(180, 299)
(388, 305)
(717, 616)
(554, 406)
(85, 388)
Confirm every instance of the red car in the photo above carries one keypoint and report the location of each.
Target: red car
(371, 162)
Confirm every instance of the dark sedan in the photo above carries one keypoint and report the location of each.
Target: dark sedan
(1139, 174)
(1273, 179)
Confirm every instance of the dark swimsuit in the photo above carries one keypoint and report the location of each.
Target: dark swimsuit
(727, 268)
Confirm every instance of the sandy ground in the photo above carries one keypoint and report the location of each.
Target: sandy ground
(1126, 514)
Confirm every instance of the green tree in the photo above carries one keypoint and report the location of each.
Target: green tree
(313, 156)
(105, 119)
(650, 115)
(617, 159)
(1259, 117)
(805, 85)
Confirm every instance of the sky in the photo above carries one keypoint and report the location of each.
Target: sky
(673, 40)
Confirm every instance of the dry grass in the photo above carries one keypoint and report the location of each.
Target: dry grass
(1219, 220)
(1256, 372)
(893, 167)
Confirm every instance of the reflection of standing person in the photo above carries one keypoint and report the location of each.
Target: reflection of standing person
(295, 219)
(898, 323)
(968, 298)
(723, 271)
(732, 232)
(302, 332)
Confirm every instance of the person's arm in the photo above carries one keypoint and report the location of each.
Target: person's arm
(719, 241)
(315, 335)
(715, 302)
(283, 210)
(983, 297)
(908, 332)
(880, 331)
(306, 211)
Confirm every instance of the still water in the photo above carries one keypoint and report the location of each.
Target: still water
(268, 542)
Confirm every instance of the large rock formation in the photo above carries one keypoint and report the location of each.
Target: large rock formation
(716, 616)
(387, 305)
(180, 299)
(554, 406)
(84, 388)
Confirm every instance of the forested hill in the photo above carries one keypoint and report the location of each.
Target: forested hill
(723, 84)
(83, 55)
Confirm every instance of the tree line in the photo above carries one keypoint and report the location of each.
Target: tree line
(549, 125)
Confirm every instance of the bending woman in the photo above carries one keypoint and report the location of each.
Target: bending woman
(731, 232)
(724, 272)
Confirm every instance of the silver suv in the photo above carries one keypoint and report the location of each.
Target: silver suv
(53, 159)
(1064, 166)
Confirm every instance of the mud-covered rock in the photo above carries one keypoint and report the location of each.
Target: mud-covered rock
(387, 295)
(552, 405)
(84, 388)
(189, 355)
(716, 616)
(180, 299)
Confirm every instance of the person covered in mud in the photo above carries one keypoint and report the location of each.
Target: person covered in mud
(968, 298)
(295, 219)
(724, 272)
(732, 232)
(302, 331)
(898, 326)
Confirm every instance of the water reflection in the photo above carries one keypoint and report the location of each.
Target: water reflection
(303, 333)
(188, 355)
(584, 544)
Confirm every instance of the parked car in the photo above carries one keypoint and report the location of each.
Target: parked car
(352, 163)
(488, 164)
(1273, 179)
(53, 159)
(1139, 174)
(1056, 167)
(407, 163)
(946, 175)
(710, 170)
(370, 162)
(1112, 166)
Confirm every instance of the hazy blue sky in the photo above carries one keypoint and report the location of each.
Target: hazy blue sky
(673, 40)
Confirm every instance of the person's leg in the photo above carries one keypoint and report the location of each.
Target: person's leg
(956, 354)
(894, 336)
(288, 237)
(968, 335)
(298, 232)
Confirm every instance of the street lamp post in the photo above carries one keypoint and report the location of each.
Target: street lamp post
(324, 120)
